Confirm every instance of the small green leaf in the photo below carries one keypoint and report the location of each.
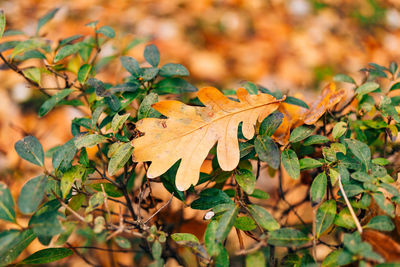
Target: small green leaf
(69, 40)
(145, 109)
(183, 238)
(316, 140)
(246, 180)
(245, 223)
(268, 151)
(84, 72)
(31, 194)
(318, 188)
(30, 149)
(270, 124)
(256, 259)
(260, 194)
(172, 69)
(152, 55)
(225, 223)
(287, 237)
(381, 161)
(209, 198)
(361, 176)
(89, 140)
(263, 217)
(122, 242)
(110, 189)
(120, 158)
(381, 223)
(33, 74)
(99, 87)
(386, 206)
(309, 163)
(47, 255)
(291, 163)
(156, 250)
(6, 204)
(360, 150)
(174, 86)
(67, 50)
(131, 65)
(10, 252)
(343, 78)
(344, 219)
(63, 156)
(301, 133)
(149, 74)
(28, 45)
(209, 238)
(46, 18)
(295, 101)
(2, 22)
(325, 216)
(50, 103)
(45, 224)
(95, 201)
(106, 31)
(118, 121)
(366, 88)
(395, 86)
(339, 129)
(69, 177)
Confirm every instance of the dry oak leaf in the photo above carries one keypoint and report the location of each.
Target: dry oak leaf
(383, 244)
(190, 132)
(295, 116)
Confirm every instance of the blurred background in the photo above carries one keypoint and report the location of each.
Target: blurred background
(291, 45)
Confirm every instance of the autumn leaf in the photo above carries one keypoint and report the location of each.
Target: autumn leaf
(383, 244)
(190, 132)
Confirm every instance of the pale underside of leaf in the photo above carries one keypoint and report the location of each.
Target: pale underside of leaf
(190, 132)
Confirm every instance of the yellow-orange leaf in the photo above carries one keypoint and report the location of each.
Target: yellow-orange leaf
(190, 132)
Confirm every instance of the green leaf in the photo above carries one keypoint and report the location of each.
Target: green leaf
(386, 206)
(367, 88)
(172, 69)
(270, 124)
(30, 149)
(106, 31)
(291, 163)
(46, 224)
(268, 151)
(209, 238)
(63, 156)
(360, 150)
(301, 133)
(69, 40)
(352, 189)
(67, 50)
(113, 102)
(25, 46)
(120, 158)
(149, 73)
(287, 237)
(6, 204)
(295, 101)
(46, 18)
(209, 198)
(225, 223)
(152, 55)
(246, 180)
(381, 161)
(145, 109)
(316, 140)
(344, 219)
(263, 217)
(361, 176)
(122, 242)
(309, 163)
(339, 129)
(50, 103)
(245, 223)
(89, 140)
(222, 257)
(95, 201)
(256, 259)
(174, 86)
(381, 223)
(118, 121)
(325, 216)
(31, 194)
(2, 22)
(8, 45)
(343, 78)
(395, 86)
(10, 252)
(250, 87)
(47, 255)
(84, 72)
(183, 238)
(69, 177)
(131, 65)
(110, 189)
(318, 188)
(99, 87)
(260, 194)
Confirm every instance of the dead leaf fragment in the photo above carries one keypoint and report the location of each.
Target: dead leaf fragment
(190, 132)
(383, 244)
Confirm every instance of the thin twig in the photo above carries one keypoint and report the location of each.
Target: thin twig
(353, 214)
(80, 255)
(163, 207)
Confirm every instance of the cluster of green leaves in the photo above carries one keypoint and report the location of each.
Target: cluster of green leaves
(349, 151)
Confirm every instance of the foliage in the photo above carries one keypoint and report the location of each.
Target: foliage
(347, 147)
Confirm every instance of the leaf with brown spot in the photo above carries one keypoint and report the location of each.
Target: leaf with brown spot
(383, 244)
(190, 132)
